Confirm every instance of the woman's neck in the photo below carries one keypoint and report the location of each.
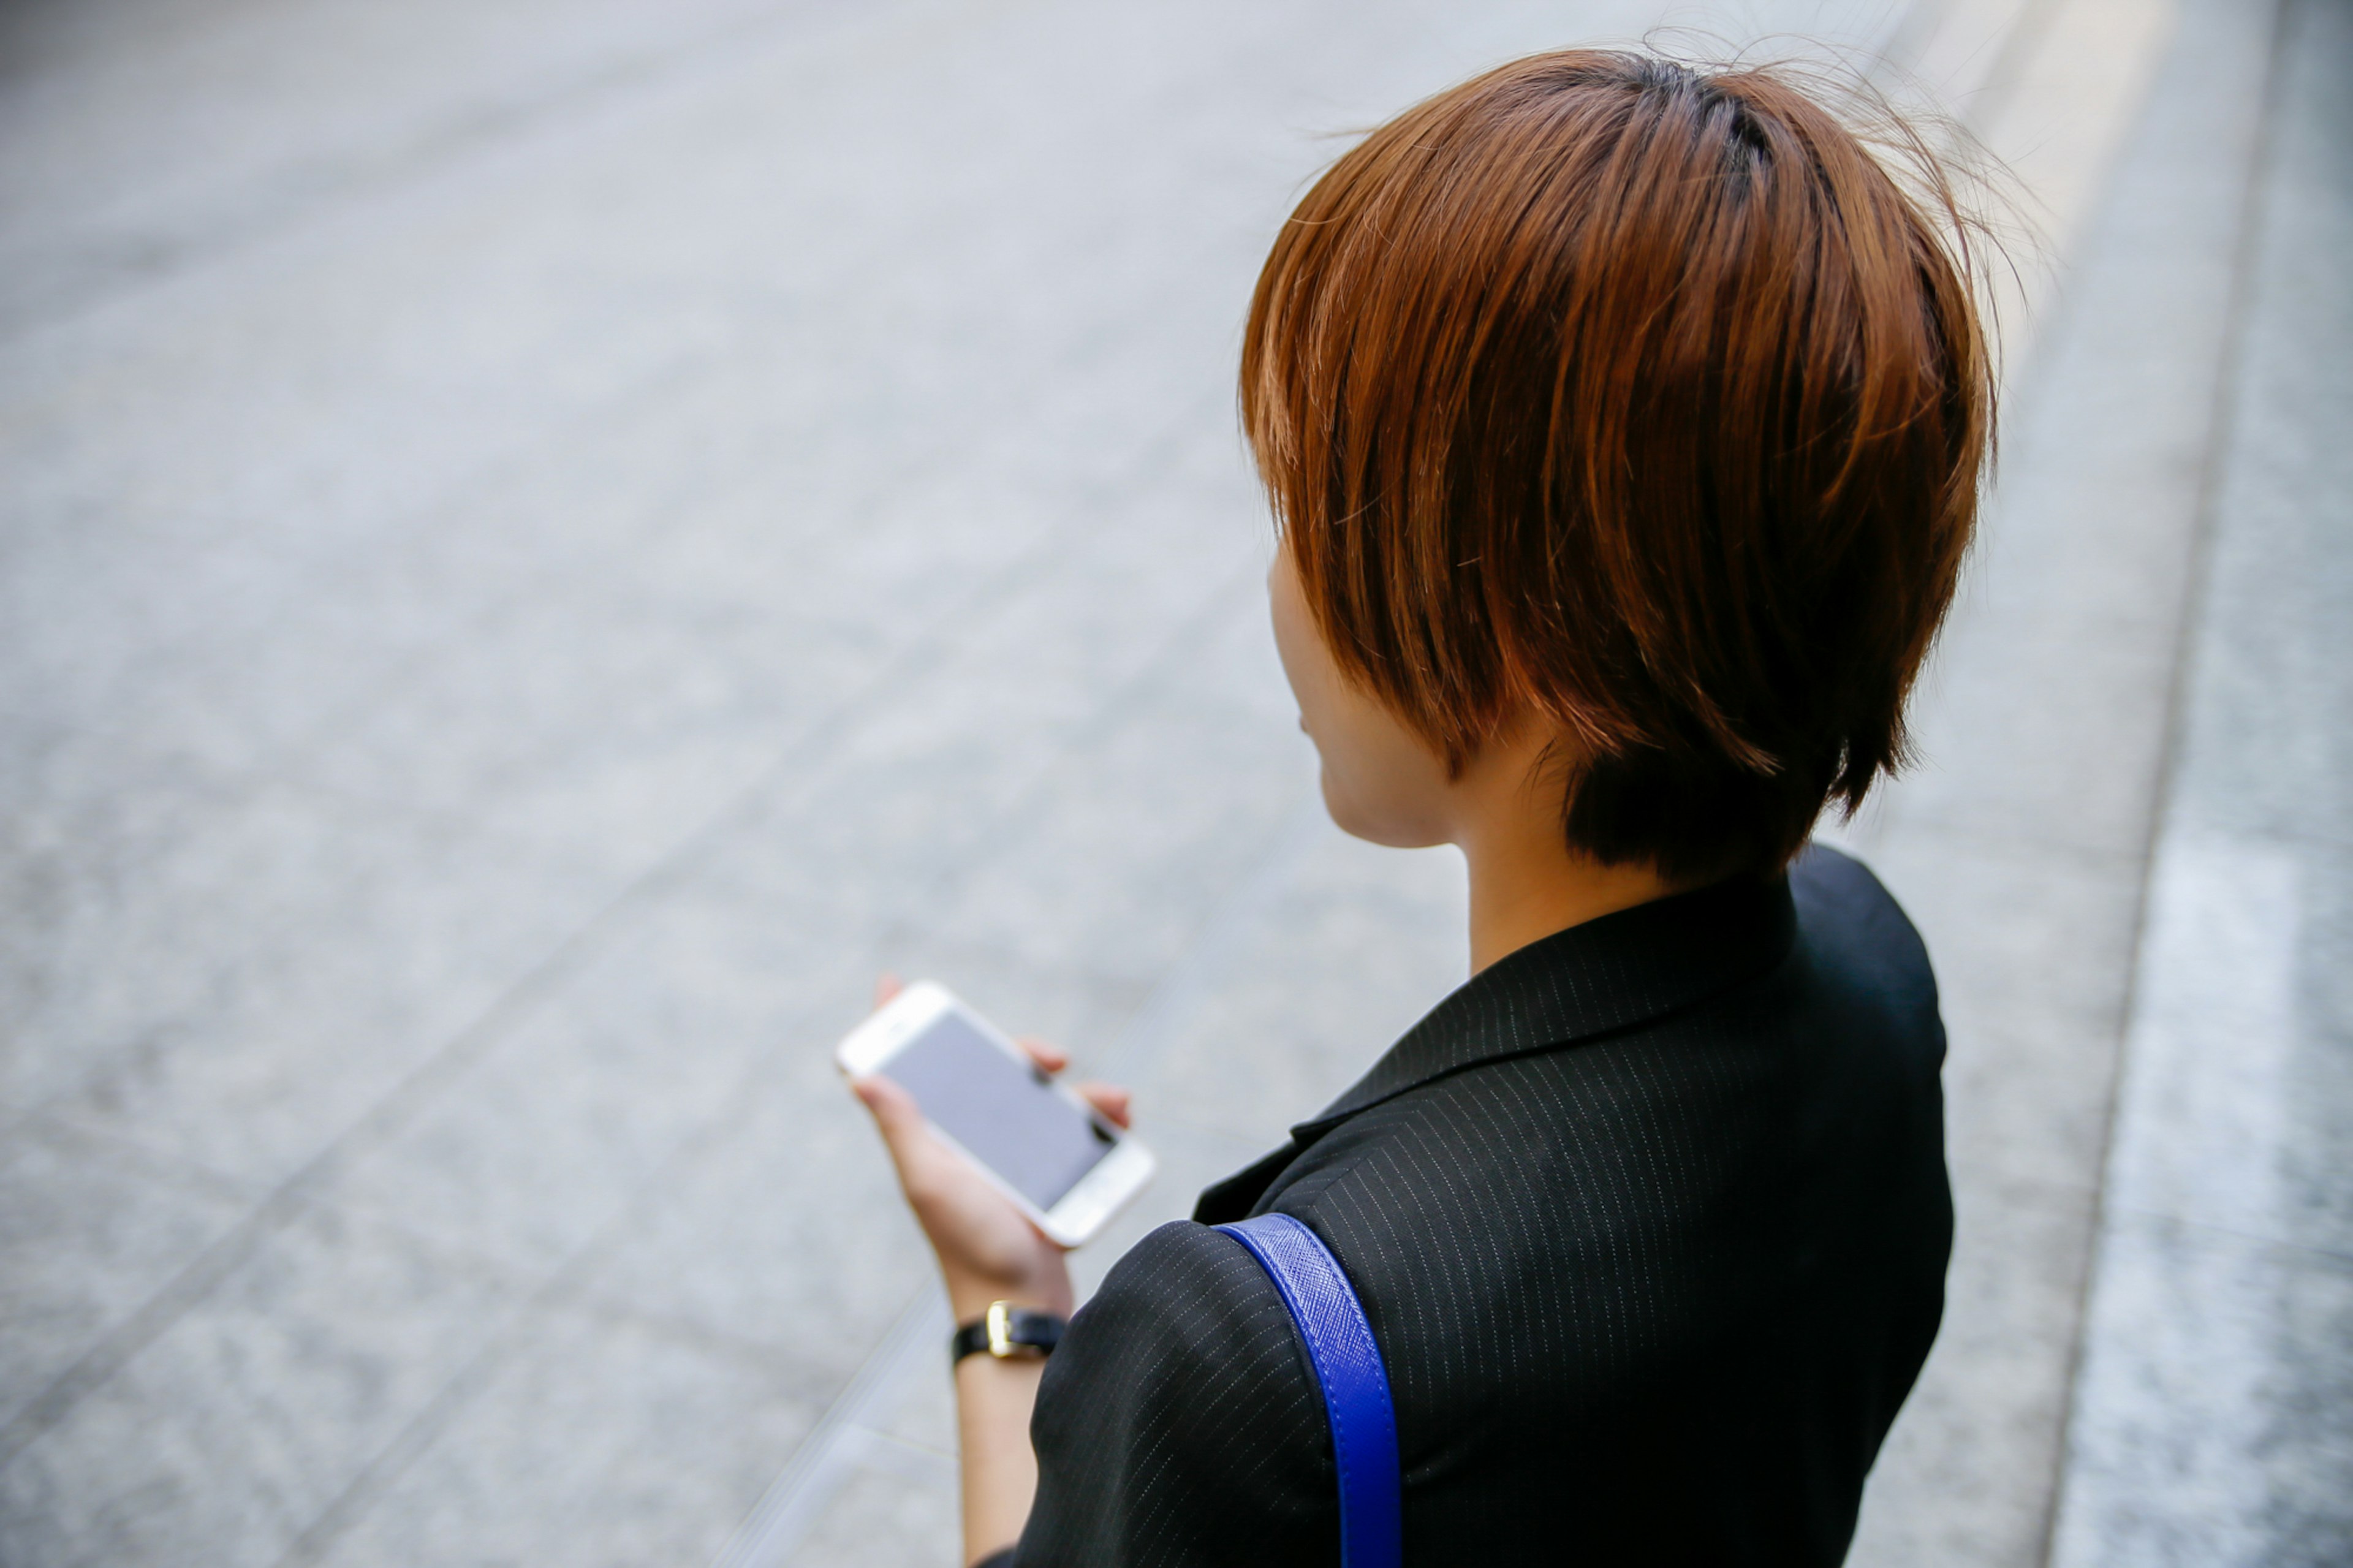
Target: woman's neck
(1520, 894)
(1525, 881)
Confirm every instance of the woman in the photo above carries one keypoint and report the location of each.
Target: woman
(1623, 426)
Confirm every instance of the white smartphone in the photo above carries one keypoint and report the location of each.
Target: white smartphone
(1036, 1141)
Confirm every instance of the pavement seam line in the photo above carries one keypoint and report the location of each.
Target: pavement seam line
(809, 1478)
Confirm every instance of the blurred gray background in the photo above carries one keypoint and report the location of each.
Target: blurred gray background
(540, 545)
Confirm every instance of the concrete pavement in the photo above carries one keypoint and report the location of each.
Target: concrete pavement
(2213, 1420)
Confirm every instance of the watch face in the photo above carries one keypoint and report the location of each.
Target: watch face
(1007, 1331)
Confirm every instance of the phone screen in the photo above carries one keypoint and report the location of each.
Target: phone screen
(1038, 1142)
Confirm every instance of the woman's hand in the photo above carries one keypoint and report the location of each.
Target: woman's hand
(988, 1250)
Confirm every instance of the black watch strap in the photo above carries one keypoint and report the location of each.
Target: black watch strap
(1007, 1331)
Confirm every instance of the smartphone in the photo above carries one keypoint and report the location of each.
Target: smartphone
(1036, 1141)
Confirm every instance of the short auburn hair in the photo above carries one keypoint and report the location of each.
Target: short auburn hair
(1649, 398)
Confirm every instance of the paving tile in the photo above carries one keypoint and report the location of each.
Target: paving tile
(2315, 1154)
(2214, 1416)
(228, 641)
(916, 790)
(790, 1218)
(601, 1441)
(143, 152)
(2230, 1114)
(644, 1046)
(1112, 868)
(224, 1437)
(923, 1415)
(1343, 959)
(2266, 750)
(1966, 1474)
(154, 474)
(613, 714)
(2075, 711)
(576, 519)
(350, 950)
(595, 724)
(881, 1519)
(111, 917)
(173, 673)
(88, 1231)
(2033, 949)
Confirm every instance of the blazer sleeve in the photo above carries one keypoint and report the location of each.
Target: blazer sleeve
(1177, 1424)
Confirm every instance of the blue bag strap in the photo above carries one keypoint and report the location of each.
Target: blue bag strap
(1347, 1362)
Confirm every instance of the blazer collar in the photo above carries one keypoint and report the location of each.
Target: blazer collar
(1593, 978)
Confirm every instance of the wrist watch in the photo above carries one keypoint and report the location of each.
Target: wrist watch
(1007, 1331)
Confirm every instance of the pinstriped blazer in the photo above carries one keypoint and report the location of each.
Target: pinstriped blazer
(1650, 1218)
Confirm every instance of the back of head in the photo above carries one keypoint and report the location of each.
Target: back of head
(1643, 397)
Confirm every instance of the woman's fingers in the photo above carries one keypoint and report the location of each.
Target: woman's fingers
(929, 1173)
(1109, 1099)
(1050, 1058)
(984, 1241)
(895, 1112)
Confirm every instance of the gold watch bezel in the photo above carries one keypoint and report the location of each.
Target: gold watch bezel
(1000, 1329)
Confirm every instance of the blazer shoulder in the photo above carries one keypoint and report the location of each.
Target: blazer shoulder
(1199, 1296)
(1849, 918)
(1178, 1422)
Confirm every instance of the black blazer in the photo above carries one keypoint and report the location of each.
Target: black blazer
(1650, 1218)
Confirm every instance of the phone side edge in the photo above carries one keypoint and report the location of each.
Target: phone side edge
(1116, 1180)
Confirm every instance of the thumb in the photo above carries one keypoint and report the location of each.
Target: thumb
(895, 1112)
